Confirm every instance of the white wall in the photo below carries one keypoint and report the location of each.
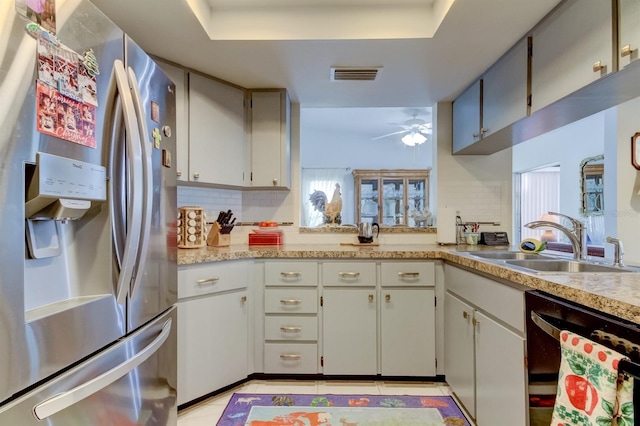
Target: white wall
(567, 147)
(478, 186)
(627, 184)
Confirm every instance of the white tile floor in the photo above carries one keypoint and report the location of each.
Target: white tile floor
(207, 413)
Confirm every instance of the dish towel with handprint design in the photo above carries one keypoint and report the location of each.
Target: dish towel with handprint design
(591, 391)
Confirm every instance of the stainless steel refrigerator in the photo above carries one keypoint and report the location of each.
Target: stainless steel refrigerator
(88, 276)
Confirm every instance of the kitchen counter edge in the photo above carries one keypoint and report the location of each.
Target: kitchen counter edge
(616, 294)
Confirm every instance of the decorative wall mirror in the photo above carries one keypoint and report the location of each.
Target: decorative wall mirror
(592, 186)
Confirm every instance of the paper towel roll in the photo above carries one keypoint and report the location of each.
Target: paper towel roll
(446, 226)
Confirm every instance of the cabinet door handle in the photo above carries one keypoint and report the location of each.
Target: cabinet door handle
(475, 322)
(626, 50)
(207, 280)
(295, 329)
(290, 357)
(178, 173)
(290, 274)
(598, 66)
(349, 274)
(275, 182)
(243, 299)
(196, 175)
(408, 274)
(371, 298)
(465, 314)
(387, 298)
(290, 301)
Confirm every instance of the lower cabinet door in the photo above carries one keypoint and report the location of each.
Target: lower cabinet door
(349, 331)
(459, 351)
(408, 332)
(212, 333)
(500, 375)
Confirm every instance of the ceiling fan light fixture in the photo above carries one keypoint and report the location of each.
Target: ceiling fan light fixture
(414, 138)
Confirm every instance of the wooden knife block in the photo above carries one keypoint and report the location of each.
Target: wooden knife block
(216, 239)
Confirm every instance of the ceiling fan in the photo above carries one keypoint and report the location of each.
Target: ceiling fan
(415, 131)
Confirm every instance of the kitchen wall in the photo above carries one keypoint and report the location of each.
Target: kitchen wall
(478, 186)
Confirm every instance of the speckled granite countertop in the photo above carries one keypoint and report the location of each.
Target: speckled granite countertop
(614, 293)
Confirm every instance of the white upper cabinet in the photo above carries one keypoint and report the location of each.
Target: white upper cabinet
(504, 90)
(629, 31)
(217, 132)
(270, 138)
(571, 48)
(467, 118)
(179, 77)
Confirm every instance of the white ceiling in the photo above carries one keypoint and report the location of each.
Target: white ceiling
(417, 72)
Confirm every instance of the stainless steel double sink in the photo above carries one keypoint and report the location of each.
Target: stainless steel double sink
(540, 264)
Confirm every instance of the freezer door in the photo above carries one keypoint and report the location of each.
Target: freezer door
(131, 383)
(154, 287)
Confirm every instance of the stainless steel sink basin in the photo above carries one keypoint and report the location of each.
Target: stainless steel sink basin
(504, 255)
(561, 265)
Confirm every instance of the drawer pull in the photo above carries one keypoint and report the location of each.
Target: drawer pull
(290, 357)
(408, 274)
(290, 301)
(207, 280)
(290, 274)
(349, 274)
(626, 50)
(291, 329)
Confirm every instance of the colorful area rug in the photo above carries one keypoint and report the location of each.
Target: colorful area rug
(341, 410)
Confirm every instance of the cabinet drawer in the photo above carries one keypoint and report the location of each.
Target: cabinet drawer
(295, 358)
(291, 273)
(295, 300)
(349, 274)
(196, 280)
(409, 274)
(290, 328)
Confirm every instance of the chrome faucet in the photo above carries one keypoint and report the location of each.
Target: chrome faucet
(576, 235)
(618, 251)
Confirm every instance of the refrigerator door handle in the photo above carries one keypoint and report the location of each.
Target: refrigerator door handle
(66, 399)
(116, 185)
(147, 168)
(134, 152)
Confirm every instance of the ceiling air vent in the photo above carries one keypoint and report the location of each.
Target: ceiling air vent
(355, 73)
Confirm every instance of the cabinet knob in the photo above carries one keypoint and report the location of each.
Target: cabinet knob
(196, 175)
(387, 298)
(475, 322)
(275, 182)
(465, 315)
(178, 173)
(243, 299)
(371, 298)
(626, 50)
(598, 66)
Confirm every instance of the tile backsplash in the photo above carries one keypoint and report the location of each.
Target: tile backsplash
(211, 200)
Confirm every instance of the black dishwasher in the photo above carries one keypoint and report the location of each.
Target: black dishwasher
(546, 314)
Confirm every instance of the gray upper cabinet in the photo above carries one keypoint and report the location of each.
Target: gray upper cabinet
(467, 117)
(217, 132)
(505, 91)
(270, 114)
(571, 49)
(629, 31)
(180, 77)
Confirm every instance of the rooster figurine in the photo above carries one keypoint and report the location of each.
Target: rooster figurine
(331, 210)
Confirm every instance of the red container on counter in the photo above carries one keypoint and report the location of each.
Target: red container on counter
(265, 239)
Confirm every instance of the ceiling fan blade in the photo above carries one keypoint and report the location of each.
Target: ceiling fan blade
(390, 134)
